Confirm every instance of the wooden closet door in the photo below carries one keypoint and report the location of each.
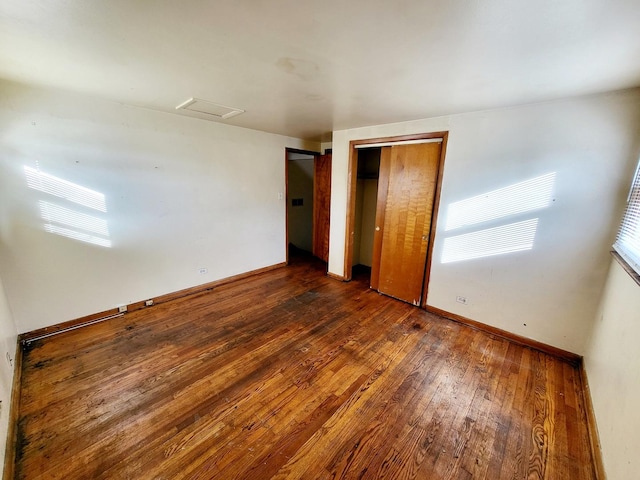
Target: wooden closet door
(321, 205)
(406, 193)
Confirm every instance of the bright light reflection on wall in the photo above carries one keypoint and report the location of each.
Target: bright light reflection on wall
(520, 197)
(83, 237)
(514, 237)
(56, 214)
(70, 222)
(64, 189)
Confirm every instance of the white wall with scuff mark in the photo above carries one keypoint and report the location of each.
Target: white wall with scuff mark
(8, 342)
(549, 291)
(613, 369)
(181, 194)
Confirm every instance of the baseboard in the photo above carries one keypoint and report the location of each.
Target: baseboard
(132, 307)
(14, 412)
(336, 277)
(572, 358)
(592, 426)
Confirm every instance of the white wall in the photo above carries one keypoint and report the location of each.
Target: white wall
(8, 340)
(548, 293)
(613, 370)
(367, 190)
(181, 194)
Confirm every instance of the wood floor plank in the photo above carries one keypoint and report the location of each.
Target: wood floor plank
(290, 374)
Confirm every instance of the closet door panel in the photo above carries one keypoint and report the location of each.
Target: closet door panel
(405, 225)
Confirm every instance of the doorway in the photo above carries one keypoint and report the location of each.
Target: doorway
(308, 193)
(403, 174)
(300, 201)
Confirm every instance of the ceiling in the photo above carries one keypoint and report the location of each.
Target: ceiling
(305, 68)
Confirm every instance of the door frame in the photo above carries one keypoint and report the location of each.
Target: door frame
(352, 178)
(287, 151)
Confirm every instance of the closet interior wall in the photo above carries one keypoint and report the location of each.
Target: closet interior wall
(366, 198)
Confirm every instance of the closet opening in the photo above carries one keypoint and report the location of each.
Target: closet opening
(368, 173)
(393, 199)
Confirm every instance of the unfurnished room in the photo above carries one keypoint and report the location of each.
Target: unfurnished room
(313, 240)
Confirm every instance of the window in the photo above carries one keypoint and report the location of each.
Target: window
(628, 241)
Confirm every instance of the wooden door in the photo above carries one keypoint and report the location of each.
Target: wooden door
(321, 205)
(406, 193)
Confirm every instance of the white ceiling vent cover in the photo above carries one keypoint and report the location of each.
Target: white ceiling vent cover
(209, 108)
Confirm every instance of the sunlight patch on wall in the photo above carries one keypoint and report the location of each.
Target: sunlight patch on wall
(64, 189)
(56, 214)
(74, 234)
(522, 197)
(514, 237)
(495, 207)
(69, 221)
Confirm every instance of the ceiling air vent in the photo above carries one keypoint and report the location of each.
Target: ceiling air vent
(209, 108)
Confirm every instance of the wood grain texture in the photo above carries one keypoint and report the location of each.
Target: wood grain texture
(352, 181)
(350, 230)
(413, 176)
(336, 277)
(321, 206)
(132, 307)
(594, 435)
(14, 412)
(381, 205)
(434, 217)
(573, 358)
(286, 204)
(290, 374)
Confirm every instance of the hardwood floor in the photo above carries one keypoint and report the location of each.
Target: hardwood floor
(291, 374)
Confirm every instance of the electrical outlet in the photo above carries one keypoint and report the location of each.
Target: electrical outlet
(462, 300)
(203, 271)
(122, 308)
(148, 303)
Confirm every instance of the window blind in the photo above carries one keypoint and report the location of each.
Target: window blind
(628, 241)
